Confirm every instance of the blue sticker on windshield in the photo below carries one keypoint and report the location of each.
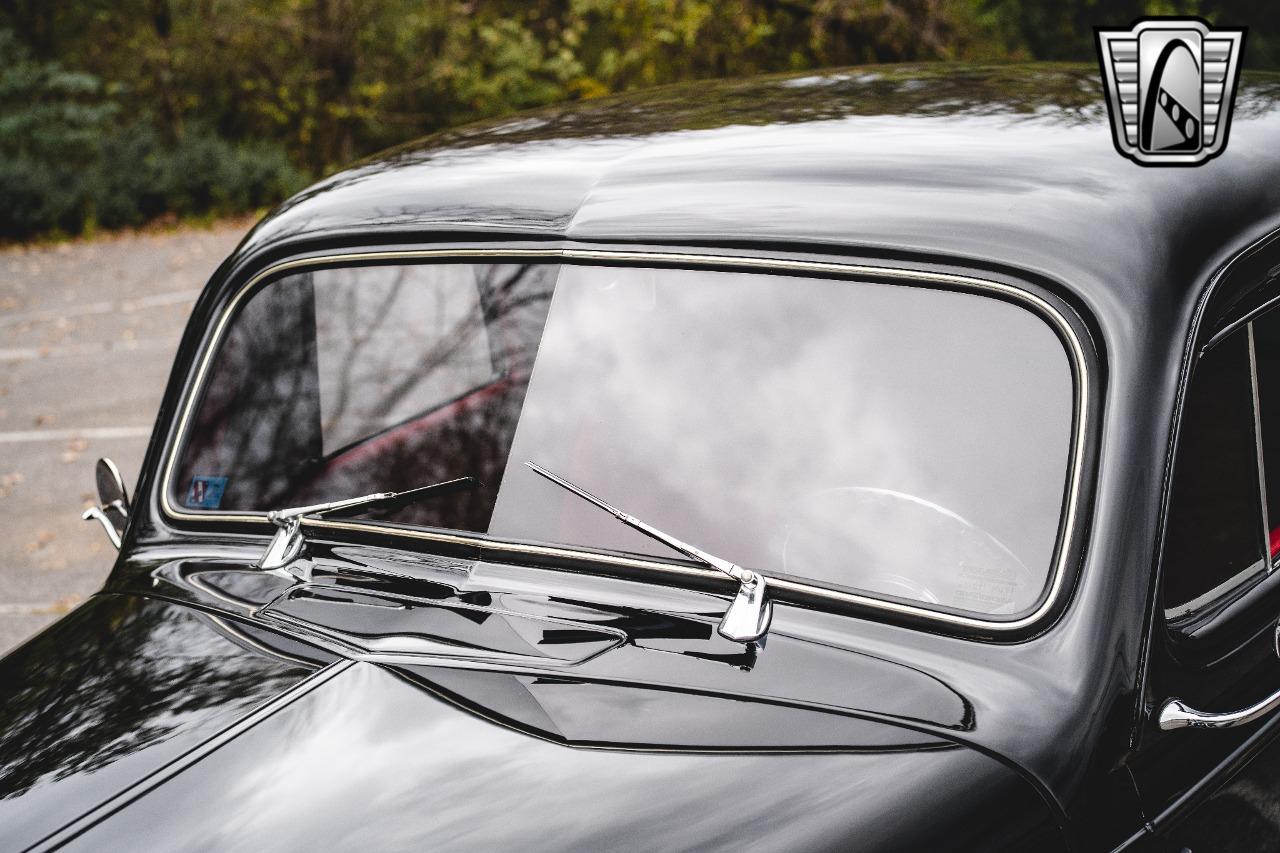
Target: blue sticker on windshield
(206, 492)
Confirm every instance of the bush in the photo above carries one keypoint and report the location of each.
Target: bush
(139, 177)
(35, 198)
(66, 165)
(125, 188)
(204, 173)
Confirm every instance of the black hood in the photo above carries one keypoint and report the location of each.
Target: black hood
(113, 693)
(369, 760)
(165, 727)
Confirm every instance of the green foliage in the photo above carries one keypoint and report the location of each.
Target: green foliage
(46, 109)
(113, 112)
(67, 165)
(140, 176)
(48, 116)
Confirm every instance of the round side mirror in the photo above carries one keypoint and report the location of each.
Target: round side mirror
(111, 485)
(113, 511)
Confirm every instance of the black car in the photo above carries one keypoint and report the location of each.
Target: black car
(871, 460)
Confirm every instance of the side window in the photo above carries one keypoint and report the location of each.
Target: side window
(1216, 532)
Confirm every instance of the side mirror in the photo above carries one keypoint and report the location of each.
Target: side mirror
(112, 511)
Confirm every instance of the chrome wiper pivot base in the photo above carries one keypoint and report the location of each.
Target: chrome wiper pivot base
(751, 610)
(288, 543)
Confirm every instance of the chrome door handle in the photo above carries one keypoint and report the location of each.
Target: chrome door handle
(1175, 714)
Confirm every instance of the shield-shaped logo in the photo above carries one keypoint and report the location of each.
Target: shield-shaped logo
(1171, 83)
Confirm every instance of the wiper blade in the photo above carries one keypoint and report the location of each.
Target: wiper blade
(382, 503)
(750, 612)
(287, 544)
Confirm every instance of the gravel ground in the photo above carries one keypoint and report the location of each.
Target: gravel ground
(87, 335)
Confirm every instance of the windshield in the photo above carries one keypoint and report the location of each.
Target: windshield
(902, 441)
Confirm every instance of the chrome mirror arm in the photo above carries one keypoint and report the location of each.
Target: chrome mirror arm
(112, 511)
(96, 513)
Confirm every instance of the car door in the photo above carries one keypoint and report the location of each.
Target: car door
(1213, 783)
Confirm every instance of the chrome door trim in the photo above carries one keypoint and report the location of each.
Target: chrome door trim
(1042, 307)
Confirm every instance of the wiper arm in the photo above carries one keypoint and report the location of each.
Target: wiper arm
(287, 544)
(749, 613)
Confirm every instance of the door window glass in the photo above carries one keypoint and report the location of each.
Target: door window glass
(1214, 532)
(1266, 344)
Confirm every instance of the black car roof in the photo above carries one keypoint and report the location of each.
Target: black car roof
(1009, 164)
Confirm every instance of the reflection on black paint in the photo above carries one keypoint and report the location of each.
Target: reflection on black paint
(1060, 97)
(370, 761)
(110, 693)
(672, 643)
(392, 625)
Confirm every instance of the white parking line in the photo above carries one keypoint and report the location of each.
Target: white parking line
(33, 353)
(94, 433)
(30, 609)
(124, 306)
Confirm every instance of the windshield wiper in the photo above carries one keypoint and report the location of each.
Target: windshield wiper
(749, 613)
(287, 544)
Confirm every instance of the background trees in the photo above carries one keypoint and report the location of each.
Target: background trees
(113, 112)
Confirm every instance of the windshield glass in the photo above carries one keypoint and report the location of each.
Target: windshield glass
(902, 441)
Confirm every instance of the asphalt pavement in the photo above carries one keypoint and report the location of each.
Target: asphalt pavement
(88, 330)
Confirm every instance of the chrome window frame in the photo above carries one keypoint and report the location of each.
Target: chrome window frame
(1046, 310)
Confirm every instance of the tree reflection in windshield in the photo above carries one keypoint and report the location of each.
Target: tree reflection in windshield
(347, 381)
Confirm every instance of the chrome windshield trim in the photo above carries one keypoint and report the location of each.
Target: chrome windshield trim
(1043, 308)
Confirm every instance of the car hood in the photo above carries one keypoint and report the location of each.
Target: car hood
(116, 691)
(144, 723)
(370, 759)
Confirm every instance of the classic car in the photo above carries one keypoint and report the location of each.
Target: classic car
(865, 460)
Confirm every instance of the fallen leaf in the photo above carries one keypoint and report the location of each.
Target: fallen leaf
(43, 538)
